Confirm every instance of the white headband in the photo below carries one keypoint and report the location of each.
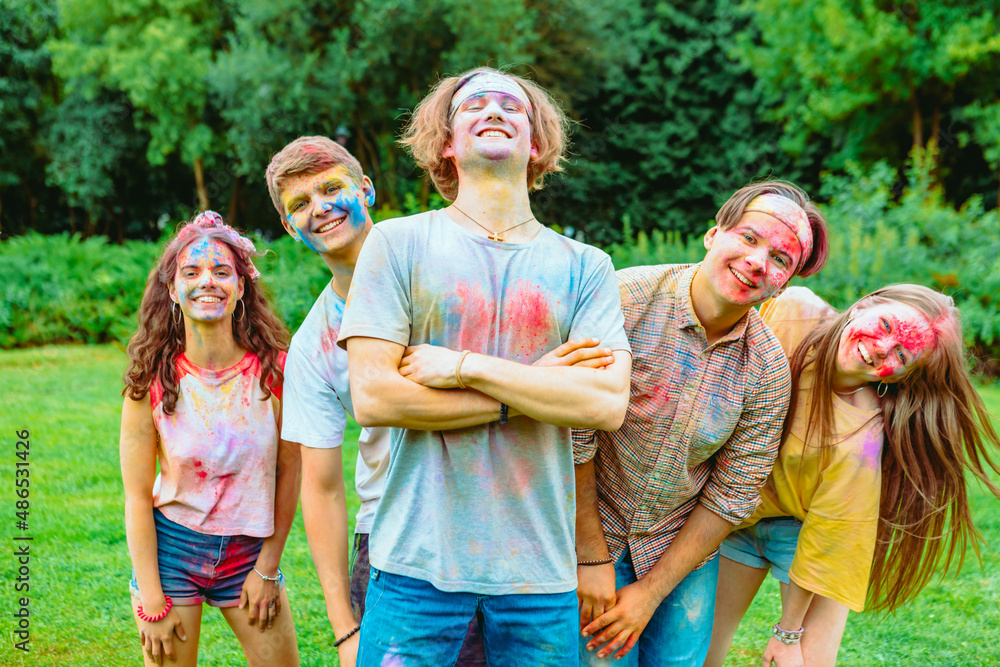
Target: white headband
(790, 214)
(489, 82)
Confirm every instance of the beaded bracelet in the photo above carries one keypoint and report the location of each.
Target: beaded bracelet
(346, 637)
(603, 561)
(159, 617)
(788, 637)
(275, 578)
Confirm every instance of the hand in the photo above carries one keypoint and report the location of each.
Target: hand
(782, 655)
(595, 590)
(430, 365)
(624, 622)
(348, 651)
(157, 639)
(263, 598)
(578, 352)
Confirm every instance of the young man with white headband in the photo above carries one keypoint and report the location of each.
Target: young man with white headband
(710, 387)
(447, 313)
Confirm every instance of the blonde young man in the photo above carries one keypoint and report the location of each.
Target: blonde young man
(323, 198)
(446, 312)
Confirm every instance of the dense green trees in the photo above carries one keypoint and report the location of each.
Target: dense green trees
(117, 117)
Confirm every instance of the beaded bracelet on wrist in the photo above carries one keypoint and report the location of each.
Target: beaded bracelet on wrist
(787, 637)
(275, 578)
(346, 637)
(603, 561)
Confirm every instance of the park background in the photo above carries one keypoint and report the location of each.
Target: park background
(120, 119)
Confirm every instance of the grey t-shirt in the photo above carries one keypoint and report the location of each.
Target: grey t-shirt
(488, 509)
(317, 400)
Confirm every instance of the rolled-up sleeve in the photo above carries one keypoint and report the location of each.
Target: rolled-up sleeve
(584, 445)
(742, 465)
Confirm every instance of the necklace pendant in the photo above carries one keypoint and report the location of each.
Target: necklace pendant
(496, 237)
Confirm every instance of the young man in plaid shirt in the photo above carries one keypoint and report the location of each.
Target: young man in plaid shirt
(709, 391)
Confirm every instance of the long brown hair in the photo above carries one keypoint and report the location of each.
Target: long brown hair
(936, 428)
(158, 340)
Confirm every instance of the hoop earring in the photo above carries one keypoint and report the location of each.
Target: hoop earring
(175, 314)
(882, 388)
(243, 316)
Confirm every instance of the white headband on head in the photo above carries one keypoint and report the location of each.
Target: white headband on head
(489, 82)
(790, 214)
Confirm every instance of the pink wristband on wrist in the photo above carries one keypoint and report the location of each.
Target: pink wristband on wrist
(159, 617)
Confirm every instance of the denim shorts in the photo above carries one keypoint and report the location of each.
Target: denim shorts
(196, 568)
(768, 542)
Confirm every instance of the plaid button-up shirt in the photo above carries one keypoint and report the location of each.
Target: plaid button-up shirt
(703, 424)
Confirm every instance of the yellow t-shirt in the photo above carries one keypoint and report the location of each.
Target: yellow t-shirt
(833, 490)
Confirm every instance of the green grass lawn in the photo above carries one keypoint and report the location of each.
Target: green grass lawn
(68, 398)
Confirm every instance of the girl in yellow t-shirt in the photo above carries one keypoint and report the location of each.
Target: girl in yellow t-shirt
(868, 493)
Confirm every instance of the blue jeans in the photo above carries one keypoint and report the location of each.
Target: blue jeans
(680, 629)
(408, 622)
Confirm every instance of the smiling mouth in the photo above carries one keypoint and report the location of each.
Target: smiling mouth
(330, 225)
(743, 279)
(494, 133)
(208, 299)
(863, 351)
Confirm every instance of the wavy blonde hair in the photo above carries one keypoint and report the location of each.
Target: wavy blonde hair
(936, 429)
(429, 131)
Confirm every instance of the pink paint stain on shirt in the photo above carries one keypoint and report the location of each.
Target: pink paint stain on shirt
(328, 340)
(529, 315)
(476, 313)
(871, 450)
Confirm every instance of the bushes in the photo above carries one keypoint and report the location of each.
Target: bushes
(58, 289)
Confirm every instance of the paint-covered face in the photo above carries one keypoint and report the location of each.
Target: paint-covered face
(881, 342)
(492, 126)
(206, 285)
(752, 261)
(327, 210)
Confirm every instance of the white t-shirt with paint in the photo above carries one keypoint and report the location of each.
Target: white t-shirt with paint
(317, 400)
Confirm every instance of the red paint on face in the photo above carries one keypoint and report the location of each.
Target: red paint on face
(893, 336)
(752, 261)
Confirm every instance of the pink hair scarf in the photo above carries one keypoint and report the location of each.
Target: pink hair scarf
(788, 213)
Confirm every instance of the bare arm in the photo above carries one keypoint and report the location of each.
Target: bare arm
(383, 397)
(563, 396)
(137, 450)
(583, 397)
(261, 594)
(596, 587)
(324, 513)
